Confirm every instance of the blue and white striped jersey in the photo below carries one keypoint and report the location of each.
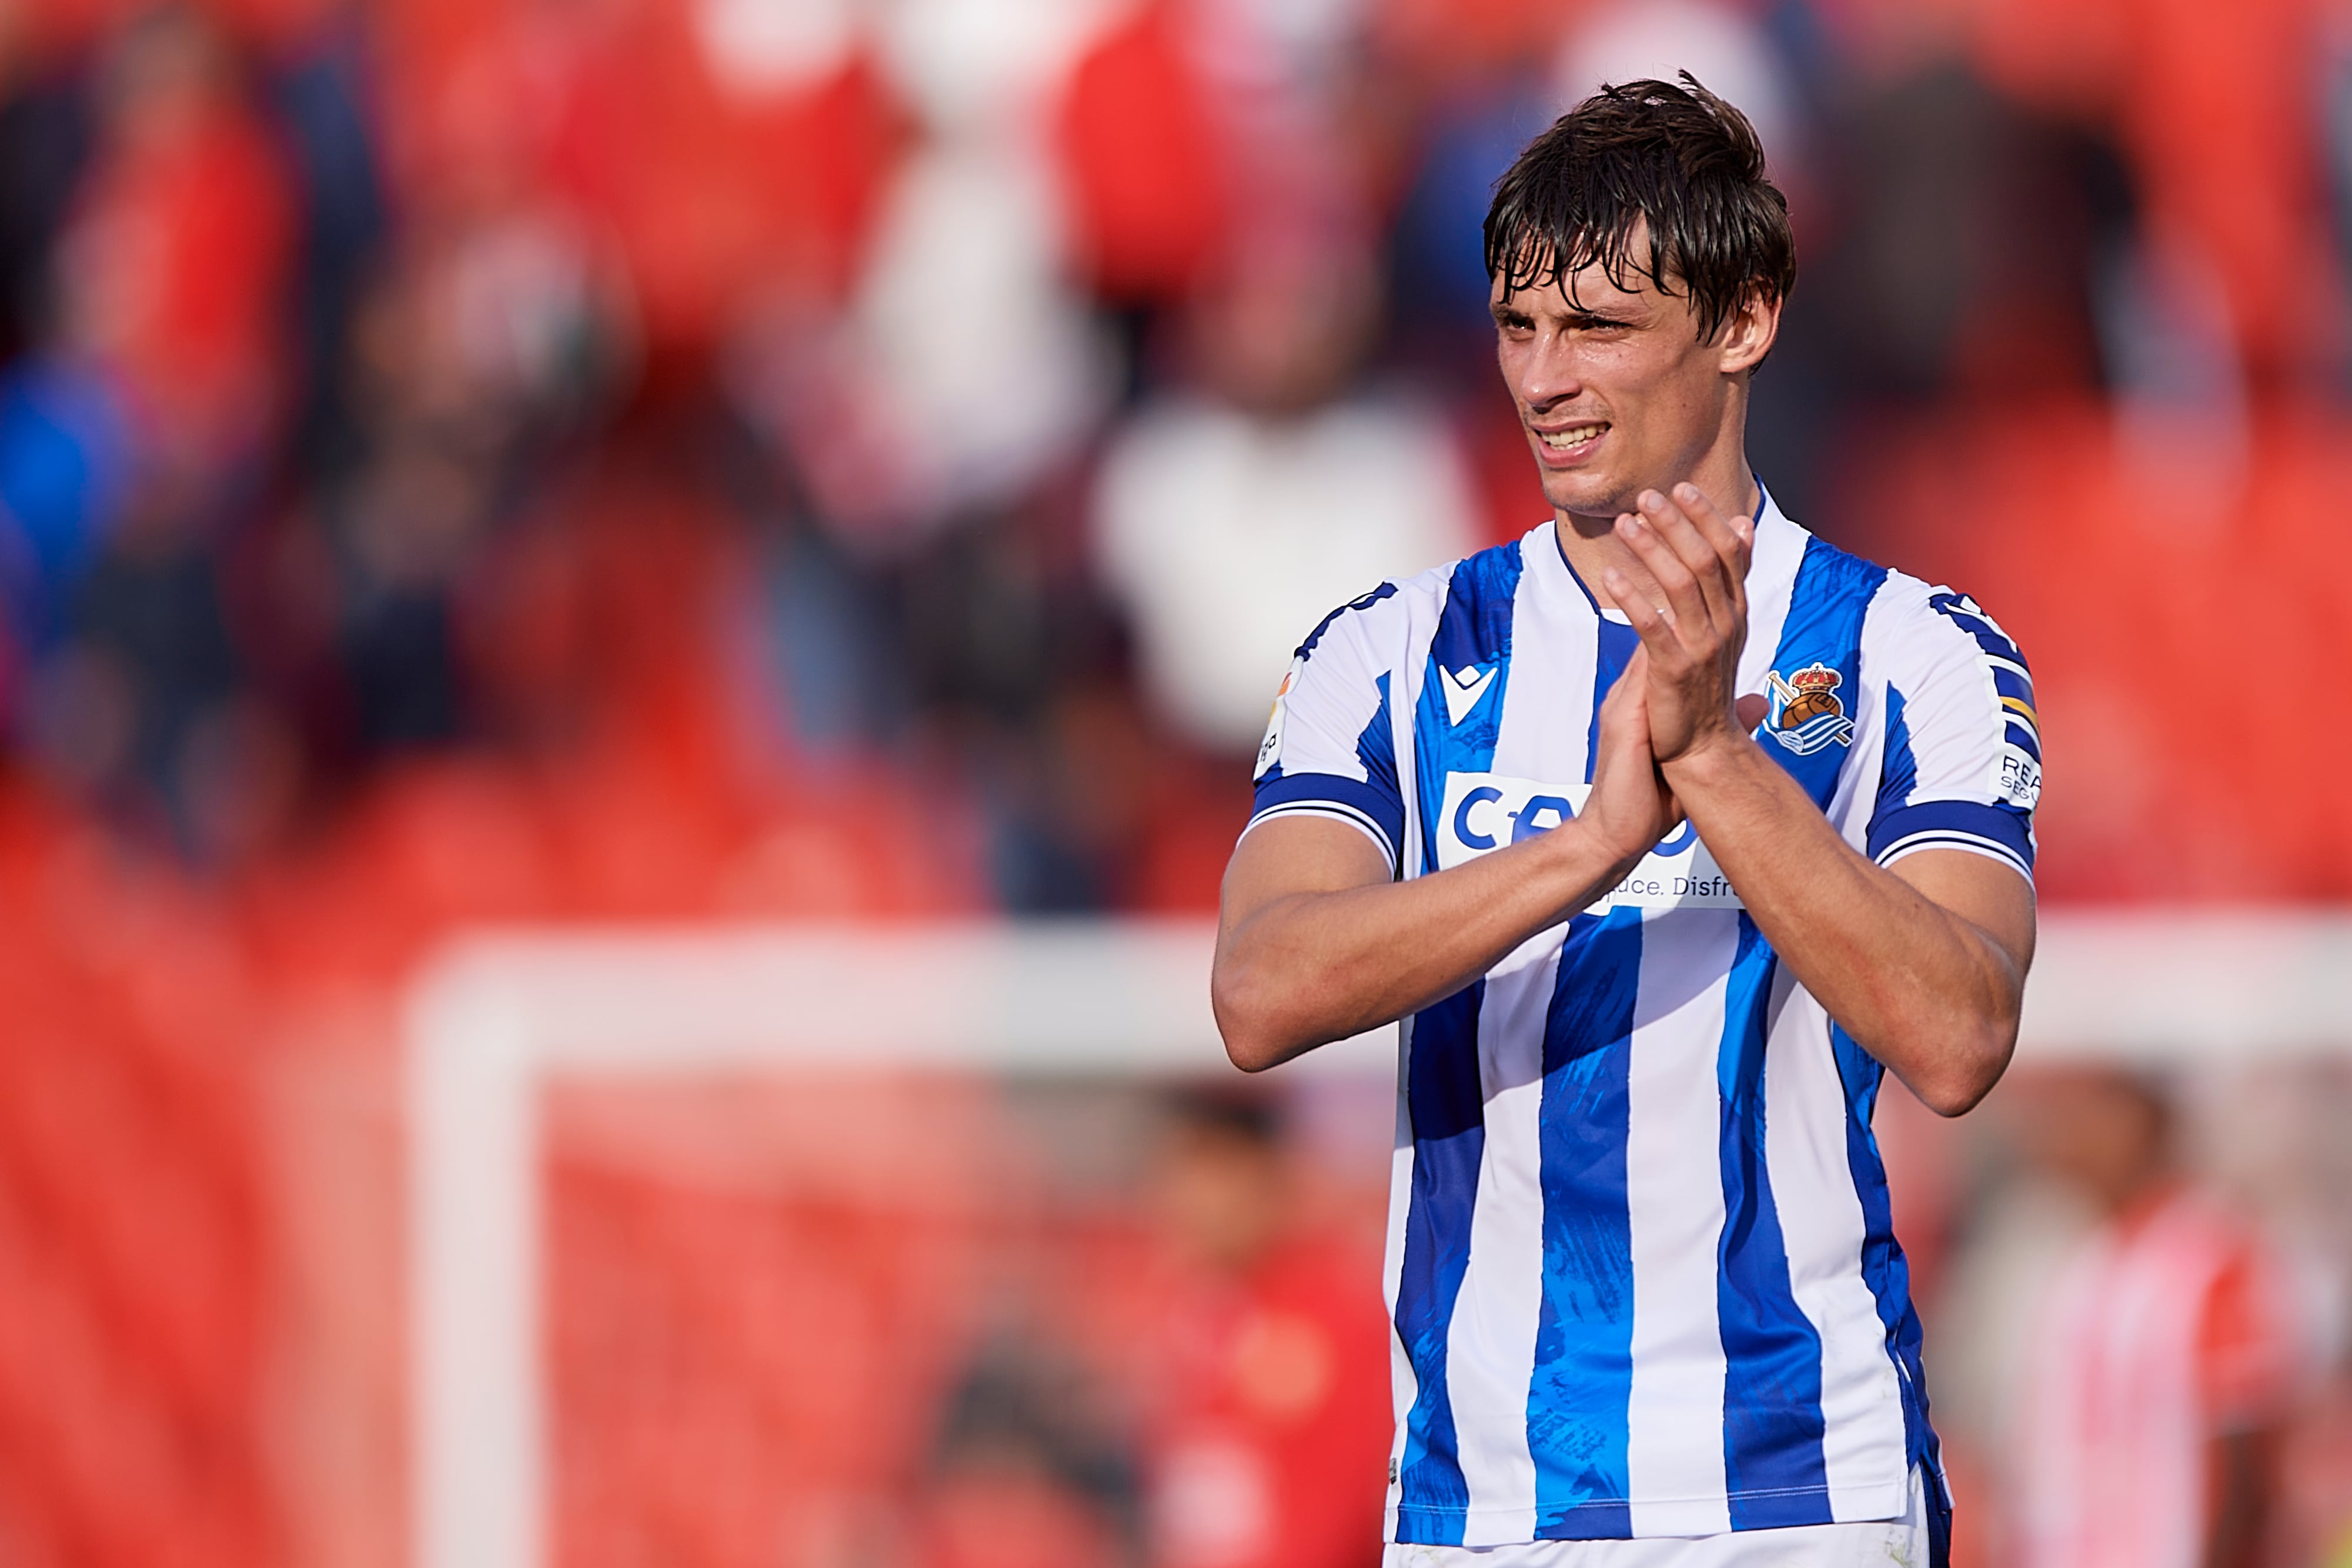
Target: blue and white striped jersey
(1640, 1262)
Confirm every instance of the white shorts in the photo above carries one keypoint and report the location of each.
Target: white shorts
(1881, 1543)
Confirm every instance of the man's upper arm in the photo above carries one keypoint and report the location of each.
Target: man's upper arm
(1329, 750)
(1961, 772)
(1329, 812)
(1294, 855)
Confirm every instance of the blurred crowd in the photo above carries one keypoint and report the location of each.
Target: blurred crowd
(526, 460)
(759, 427)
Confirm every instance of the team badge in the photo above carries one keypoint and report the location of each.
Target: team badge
(1807, 714)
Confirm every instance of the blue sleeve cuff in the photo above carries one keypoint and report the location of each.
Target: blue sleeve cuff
(1378, 814)
(2001, 833)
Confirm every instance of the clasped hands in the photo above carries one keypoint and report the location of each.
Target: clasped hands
(1677, 699)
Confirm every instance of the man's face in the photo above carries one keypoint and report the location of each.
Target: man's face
(1616, 390)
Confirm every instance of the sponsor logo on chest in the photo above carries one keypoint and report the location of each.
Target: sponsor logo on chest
(1487, 811)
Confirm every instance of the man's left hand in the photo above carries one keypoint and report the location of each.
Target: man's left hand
(1699, 558)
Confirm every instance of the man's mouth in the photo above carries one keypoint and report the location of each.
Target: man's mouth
(1569, 439)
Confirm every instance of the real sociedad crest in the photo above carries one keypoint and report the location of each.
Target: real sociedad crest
(1806, 713)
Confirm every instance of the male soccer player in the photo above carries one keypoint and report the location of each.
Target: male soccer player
(1664, 829)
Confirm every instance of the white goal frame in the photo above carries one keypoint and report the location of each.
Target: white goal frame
(491, 1020)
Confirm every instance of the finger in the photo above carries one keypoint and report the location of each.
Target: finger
(1750, 711)
(1732, 538)
(1652, 625)
(1688, 612)
(1695, 550)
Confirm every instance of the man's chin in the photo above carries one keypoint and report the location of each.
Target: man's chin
(1585, 494)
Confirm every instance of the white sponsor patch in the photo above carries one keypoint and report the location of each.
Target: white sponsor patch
(1488, 810)
(2020, 781)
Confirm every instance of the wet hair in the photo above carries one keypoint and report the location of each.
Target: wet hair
(1678, 157)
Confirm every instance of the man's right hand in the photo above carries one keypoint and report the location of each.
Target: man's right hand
(1631, 809)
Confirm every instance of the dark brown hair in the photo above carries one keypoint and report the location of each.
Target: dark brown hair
(1679, 157)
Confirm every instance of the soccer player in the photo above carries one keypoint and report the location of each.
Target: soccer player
(1664, 829)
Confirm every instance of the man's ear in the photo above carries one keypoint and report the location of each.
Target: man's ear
(1748, 334)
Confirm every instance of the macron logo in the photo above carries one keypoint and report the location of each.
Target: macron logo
(1464, 687)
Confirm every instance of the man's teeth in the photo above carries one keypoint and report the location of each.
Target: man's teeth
(1576, 435)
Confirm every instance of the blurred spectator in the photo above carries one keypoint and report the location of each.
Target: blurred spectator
(2159, 1357)
(1269, 1442)
(1231, 517)
(1027, 1473)
(173, 266)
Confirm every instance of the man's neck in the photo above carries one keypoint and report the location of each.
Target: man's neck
(1591, 546)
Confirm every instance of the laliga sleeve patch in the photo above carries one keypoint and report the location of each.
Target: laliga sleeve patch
(1269, 750)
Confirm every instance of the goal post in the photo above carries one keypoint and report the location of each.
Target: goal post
(499, 1016)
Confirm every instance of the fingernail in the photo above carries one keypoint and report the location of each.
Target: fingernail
(1687, 492)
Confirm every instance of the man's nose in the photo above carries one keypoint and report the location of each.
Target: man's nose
(1550, 374)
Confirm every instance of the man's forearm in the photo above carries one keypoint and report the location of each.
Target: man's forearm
(1925, 991)
(1311, 968)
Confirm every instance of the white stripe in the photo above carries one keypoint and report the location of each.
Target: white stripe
(1772, 581)
(1403, 1387)
(1491, 1346)
(1673, 1201)
(1819, 1209)
(1555, 642)
(1945, 838)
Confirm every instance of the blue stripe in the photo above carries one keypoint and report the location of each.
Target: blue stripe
(1961, 612)
(1613, 652)
(1772, 1421)
(1883, 1267)
(2003, 827)
(1442, 1095)
(1473, 631)
(1584, 1335)
(1898, 770)
(1826, 606)
(1376, 749)
(1449, 1141)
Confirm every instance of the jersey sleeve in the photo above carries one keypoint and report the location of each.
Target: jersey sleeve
(1962, 767)
(1329, 747)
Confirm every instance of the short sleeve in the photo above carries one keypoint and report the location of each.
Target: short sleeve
(1962, 765)
(1330, 748)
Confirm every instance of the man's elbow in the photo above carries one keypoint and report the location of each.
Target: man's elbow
(1252, 1035)
(1970, 1061)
